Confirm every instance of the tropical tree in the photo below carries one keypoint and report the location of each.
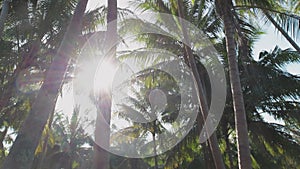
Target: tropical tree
(224, 9)
(280, 90)
(26, 54)
(150, 113)
(202, 100)
(243, 33)
(104, 102)
(283, 15)
(29, 135)
(67, 146)
(33, 34)
(267, 89)
(198, 17)
(233, 22)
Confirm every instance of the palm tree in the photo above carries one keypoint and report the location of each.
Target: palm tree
(285, 20)
(22, 152)
(196, 18)
(15, 62)
(232, 22)
(243, 35)
(195, 15)
(283, 32)
(26, 49)
(213, 142)
(224, 9)
(288, 23)
(267, 88)
(24, 53)
(102, 131)
(141, 106)
(66, 144)
(279, 99)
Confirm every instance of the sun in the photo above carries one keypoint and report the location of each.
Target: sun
(104, 76)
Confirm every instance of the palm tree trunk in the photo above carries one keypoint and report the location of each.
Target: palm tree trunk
(208, 159)
(213, 141)
(3, 15)
(46, 139)
(102, 131)
(238, 102)
(283, 32)
(22, 152)
(154, 149)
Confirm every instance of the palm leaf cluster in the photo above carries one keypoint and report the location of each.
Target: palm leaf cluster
(266, 85)
(33, 32)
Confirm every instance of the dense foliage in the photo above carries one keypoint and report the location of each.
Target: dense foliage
(33, 32)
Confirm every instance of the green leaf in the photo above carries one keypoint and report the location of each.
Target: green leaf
(75, 164)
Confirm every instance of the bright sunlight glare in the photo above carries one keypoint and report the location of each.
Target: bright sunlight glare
(104, 76)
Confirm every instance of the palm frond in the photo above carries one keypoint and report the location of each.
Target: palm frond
(275, 143)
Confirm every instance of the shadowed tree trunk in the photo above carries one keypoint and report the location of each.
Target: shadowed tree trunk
(3, 15)
(213, 142)
(102, 129)
(224, 8)
(22, 152)
(28, 59)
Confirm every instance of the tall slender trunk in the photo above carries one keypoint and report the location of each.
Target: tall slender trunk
(102, 130)
(46, 139)
(238, 102)
(154, 149)
(22, 152)
(283, 32)
(213, 142)
(3, 15)
(209, 162)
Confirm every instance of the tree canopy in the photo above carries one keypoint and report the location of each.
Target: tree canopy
(151, 116)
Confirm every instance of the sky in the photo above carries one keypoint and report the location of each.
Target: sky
(92, 4)
(267, 42)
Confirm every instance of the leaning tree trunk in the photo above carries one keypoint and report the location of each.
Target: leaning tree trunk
(282, 31)
(213, 141)
(244, 160)
(102, 129)
(3, 15)
(22, 152)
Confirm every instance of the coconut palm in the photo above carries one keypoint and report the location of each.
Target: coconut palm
(26, 54)
(224, 9)
(103, 102)
(149, 117)
(197, 14)
(281, 15)
(239, 27)
(27, 140)
(267, 88)
(231, 24)
(67, 146)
